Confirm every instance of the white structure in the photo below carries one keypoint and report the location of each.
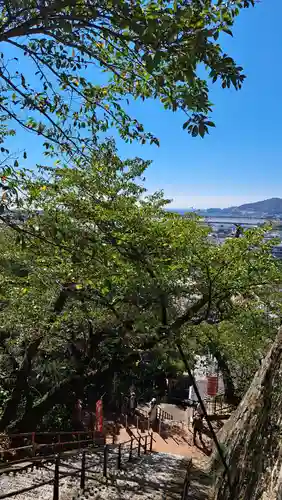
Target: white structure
(205, 366)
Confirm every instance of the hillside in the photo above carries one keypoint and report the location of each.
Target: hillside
(270, 206)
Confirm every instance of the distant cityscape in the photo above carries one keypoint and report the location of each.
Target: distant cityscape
(224, 222)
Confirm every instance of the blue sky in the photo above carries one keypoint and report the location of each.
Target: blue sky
(241, 159)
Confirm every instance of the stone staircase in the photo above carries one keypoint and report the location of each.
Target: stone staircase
(156, 476)
(174, 438)
(160, 475)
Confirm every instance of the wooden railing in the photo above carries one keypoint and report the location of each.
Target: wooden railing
(187, 481)
(122, 452)
(48, 442)
(163, 415)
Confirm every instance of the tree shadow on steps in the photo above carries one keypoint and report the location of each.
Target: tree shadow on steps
(181, 435)
(201, 483)
(156, 475)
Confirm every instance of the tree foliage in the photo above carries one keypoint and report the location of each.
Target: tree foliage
(69, 68)
(99, 276)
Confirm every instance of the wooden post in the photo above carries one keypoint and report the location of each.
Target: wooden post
(130, 450)
(119, 457)
(105, 468)
(59, 442)
(56, 479)
(151, 443)
(145, 446)
(139, 446)
(137, 421)
(126, 421)
(82, 475)
(33, 442)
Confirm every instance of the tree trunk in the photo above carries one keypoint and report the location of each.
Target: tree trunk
(57, 395)
(251, 439)
(21, 385)
(52, 398)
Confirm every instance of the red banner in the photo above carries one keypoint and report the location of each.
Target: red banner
(212, 386)
(99, 415)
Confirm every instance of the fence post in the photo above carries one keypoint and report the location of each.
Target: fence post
(145, 445)
(82, 476)
(33, 442)
(151, 443)
(130, 451)
(119, 457)
(137, 421)
(105, 468)
(126, 420)
(139, 446)
(56, 479)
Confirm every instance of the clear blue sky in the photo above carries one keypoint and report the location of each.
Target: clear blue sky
(241, 160)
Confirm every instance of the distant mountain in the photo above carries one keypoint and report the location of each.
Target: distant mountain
(272, 206)
(265, 208)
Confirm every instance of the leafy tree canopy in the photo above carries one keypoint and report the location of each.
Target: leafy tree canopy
(69, 67)
(98, 275)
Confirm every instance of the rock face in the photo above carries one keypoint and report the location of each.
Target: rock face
(252, 438)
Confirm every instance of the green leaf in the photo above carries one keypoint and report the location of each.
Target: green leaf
(228, 31)
(202, 129)
(195, 131)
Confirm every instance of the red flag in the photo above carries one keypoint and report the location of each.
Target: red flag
(212, 386)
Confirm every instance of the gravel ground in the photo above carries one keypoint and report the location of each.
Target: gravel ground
(157, 476)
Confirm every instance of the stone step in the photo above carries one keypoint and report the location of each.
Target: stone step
(156, 476)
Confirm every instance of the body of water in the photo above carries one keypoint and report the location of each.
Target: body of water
(227, 220)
